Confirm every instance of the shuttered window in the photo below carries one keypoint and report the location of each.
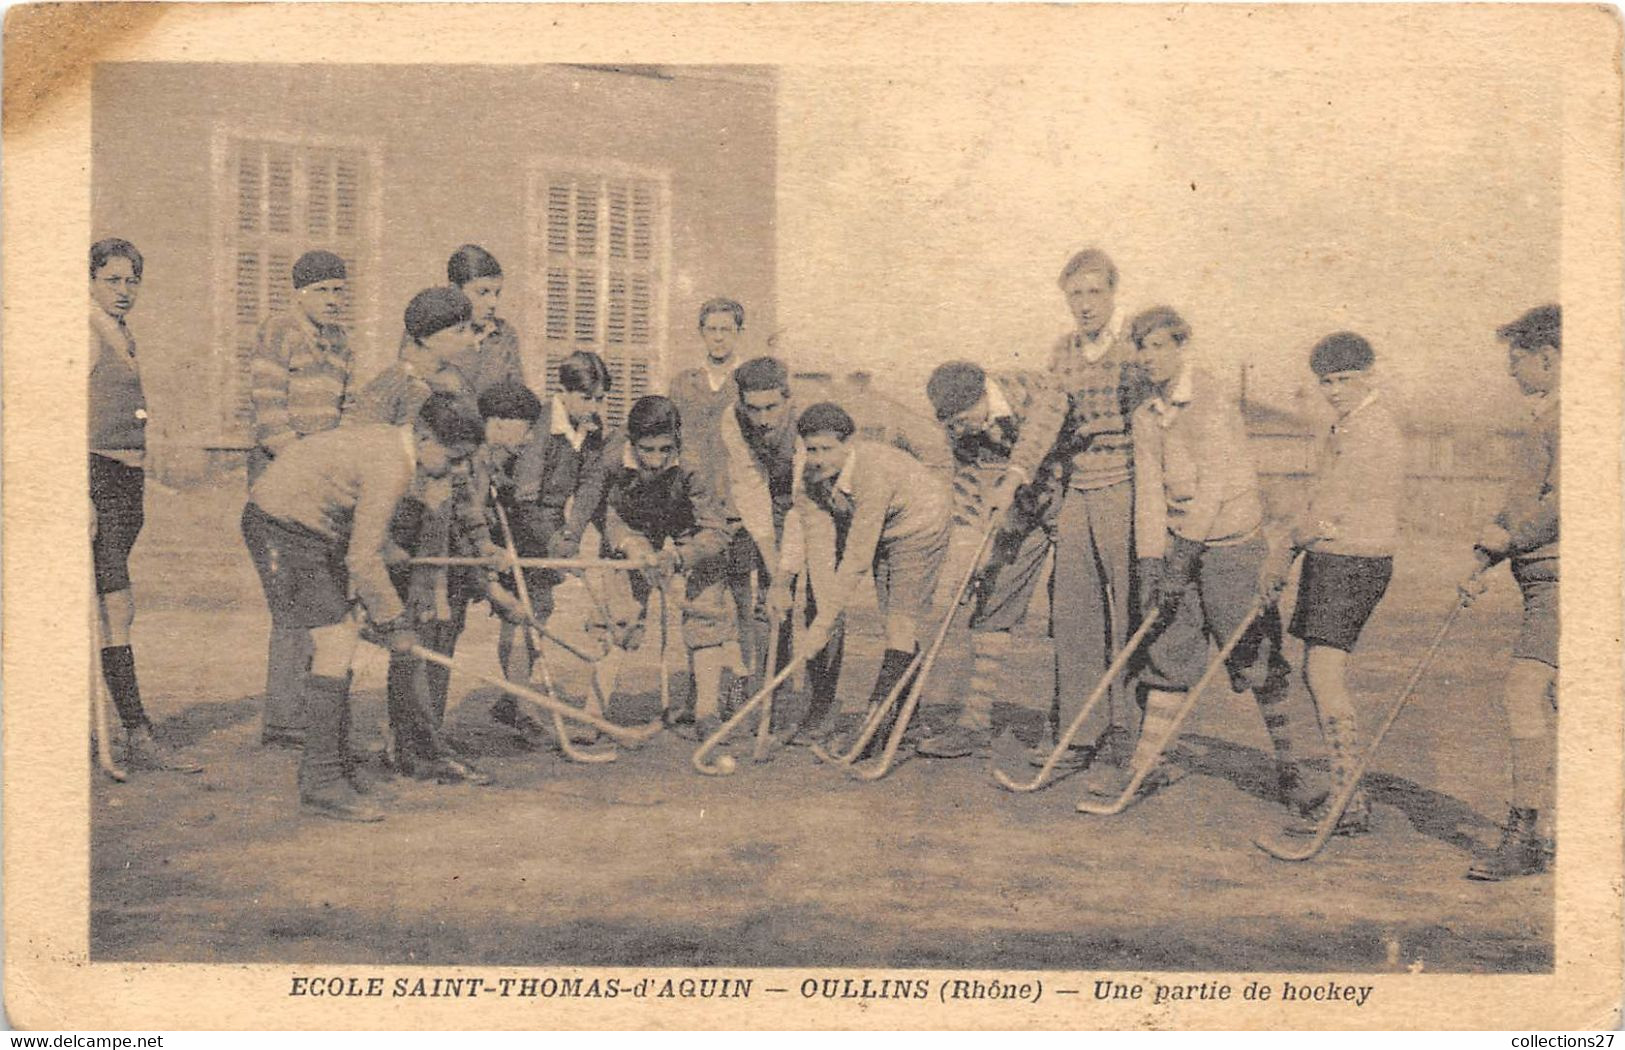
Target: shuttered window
(285, 198)
(597, 244)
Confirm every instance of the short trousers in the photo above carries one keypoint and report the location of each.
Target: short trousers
(1337, 593)
(1213, 605)
(302, 572)
(906, 574)
(118, 492)
(1537, 636)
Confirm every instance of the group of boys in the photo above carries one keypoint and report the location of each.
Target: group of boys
(1124, 468)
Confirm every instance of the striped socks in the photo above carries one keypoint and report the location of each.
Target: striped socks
(988, 652)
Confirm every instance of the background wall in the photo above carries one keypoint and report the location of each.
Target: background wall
(454, 144)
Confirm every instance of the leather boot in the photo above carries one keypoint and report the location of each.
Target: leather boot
(1520, 852)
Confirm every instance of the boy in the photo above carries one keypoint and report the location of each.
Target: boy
(437, 328)
(702, 394)
(556, 489)
(757, 461)
(868, 507)
(317, 523)
(439, 516)
(1524, 534)
(1347, 533)
(493, 358)
(118, 420)
(1203, 555)
(300, 385)
(1094, 365)
(1006, 433)
(660, 509)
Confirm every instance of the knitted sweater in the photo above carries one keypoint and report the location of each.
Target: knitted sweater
(300, 378)
(118, 406)
(493, 360)
(1103, 452)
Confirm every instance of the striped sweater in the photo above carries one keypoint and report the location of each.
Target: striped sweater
(300, 379)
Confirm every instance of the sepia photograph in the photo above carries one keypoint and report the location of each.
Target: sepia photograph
(819, 528)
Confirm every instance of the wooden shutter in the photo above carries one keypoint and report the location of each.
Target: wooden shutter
(594, 240)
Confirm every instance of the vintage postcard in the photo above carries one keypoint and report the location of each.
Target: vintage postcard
(833, 516)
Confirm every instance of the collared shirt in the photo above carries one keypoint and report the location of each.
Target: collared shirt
(716, 376)
(1358, 484)
(299, 378)
(1093, 349)
(560, 426)
(345, 484)
(1193, 467)
(675, 503)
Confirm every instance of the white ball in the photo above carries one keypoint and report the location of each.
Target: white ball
(727, 764)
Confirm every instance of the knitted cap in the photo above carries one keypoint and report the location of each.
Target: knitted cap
(316, 267)
(1341, 352)
(470, 263)
(436, 309)
(954, 387)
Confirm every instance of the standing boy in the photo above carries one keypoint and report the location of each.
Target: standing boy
(1007, 434)
(1347, 533)
(299, 385)
(1203, 555)
(703, 393)
(1094, 365)
(118, 441)
(493, 357)
(868, 508)
(1524, 534)
(317, 525)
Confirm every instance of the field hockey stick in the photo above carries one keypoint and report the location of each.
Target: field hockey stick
(99, 700)
(1345, 794)
(726, 764)
(1213, 668)
(566, 746)
(665, 670)
(631, 736)
(872, 719)
(1101, 689)
(883, 764)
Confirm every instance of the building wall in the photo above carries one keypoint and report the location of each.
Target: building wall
(454, 145)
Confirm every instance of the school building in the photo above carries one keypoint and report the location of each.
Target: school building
(617, 200)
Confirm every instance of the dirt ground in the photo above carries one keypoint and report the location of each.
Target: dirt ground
(644, 862)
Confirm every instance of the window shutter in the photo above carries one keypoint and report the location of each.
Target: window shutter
(250, 178)
(279, 190)
(595, 239)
